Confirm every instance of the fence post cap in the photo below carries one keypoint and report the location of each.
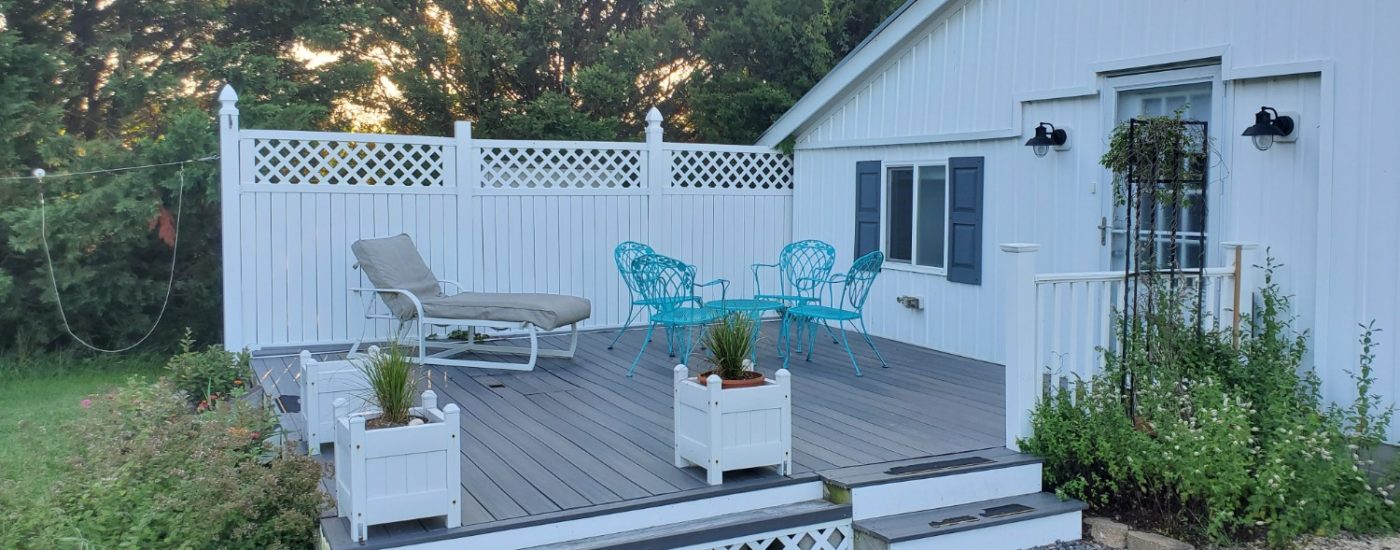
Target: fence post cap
(1017, 248)
(653, 116)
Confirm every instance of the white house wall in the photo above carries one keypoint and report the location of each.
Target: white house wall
(982, 73)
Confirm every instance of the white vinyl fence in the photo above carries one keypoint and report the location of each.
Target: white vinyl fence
(1058, 325)
(496, 215)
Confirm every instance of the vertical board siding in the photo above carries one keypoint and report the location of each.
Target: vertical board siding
(545, 219)
(1327, 206)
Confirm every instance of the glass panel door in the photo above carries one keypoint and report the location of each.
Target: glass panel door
(1194, 100)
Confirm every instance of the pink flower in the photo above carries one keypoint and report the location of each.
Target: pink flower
(86, 403)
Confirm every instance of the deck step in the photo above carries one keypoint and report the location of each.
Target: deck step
(904, 486)
(724, 527)
(1010, 523)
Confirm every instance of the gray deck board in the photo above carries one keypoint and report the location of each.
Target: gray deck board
(578, 434)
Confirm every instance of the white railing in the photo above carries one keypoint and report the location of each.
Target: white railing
(497, 215)
(1058, 326)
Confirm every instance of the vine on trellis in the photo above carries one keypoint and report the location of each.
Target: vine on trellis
(1158, 160)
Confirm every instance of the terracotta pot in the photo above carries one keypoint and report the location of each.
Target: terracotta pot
(754, 379)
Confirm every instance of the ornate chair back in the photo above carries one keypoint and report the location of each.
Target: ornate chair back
(624, 255)
(860, 278)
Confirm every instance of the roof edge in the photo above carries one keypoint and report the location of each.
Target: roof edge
(862, 60)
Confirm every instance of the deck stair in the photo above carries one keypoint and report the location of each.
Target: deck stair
(774, 527)
(988, 499)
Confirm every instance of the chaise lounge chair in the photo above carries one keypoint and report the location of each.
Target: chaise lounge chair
(408, 288)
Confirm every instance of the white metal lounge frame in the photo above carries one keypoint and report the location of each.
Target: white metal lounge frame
(443, 358)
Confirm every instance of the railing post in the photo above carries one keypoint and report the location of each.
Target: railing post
(468, 253)
(1018, 337)
(232, 226)
(658, 181)
(1242, 304)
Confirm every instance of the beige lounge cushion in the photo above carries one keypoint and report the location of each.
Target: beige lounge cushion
(393, 262)
(547, 311)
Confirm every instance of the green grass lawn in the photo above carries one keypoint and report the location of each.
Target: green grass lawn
(37, 398)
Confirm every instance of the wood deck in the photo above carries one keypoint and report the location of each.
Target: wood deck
(579, 435)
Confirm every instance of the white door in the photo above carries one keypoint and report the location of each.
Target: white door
(1195, 92)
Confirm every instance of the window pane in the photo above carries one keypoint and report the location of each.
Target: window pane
(933, 186)
(901, 212)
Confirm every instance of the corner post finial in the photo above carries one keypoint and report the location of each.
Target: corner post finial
(654, 131)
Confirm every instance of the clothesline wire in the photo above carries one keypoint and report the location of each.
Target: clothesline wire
(109, 170)
(174, 248)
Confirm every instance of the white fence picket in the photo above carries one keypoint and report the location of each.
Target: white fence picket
(1075, 313)
(499, 216)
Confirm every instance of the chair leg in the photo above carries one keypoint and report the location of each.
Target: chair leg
(785, 341)
(631, 314)
(811, 336)
(846, 343)
(866, 334)
(633, 368)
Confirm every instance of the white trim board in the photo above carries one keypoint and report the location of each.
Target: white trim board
(863, 61)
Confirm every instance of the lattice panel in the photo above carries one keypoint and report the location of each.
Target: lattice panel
(299, 162)
(730, 170)
(822, 536)
(560, 168)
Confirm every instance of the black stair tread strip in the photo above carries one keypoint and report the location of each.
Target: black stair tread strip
(1006, 510)
(909, 469)
(719, 527)
(938, 465)
(289, 403)
(952, 521)
(935, 522)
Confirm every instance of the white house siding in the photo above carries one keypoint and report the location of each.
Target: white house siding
(982, 73)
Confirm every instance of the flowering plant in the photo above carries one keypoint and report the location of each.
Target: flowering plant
(1224, 443)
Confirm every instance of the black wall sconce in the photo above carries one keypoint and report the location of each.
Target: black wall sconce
(1269, 128)
(1047, 136)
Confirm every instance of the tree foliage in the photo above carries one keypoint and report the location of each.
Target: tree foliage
(94, 84)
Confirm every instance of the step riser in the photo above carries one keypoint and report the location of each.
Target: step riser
(1006, 536)
(900, 497)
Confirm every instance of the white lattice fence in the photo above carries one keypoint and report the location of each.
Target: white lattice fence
(835, 535)
(496, 215)
(708, 167)
(536, 165)
(362, 161)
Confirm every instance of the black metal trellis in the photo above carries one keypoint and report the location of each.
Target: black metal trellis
(1186, 168)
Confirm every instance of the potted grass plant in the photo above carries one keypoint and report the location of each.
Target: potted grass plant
(730, 343)
(395, 461)
(732, 417)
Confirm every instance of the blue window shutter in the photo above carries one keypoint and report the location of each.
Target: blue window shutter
(867, 207)
(965, 185)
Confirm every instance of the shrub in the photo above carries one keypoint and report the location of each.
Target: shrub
(210, 375)
(150, 474)
(1214, 442)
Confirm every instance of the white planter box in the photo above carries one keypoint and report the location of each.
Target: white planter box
(398, 474)
(721, 430)
(322, 383)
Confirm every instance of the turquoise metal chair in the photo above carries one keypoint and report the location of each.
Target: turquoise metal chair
(624, 255)
(802, 267)
(855, 288)
(669, 289)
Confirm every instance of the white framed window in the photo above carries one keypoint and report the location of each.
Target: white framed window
(914, 215)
